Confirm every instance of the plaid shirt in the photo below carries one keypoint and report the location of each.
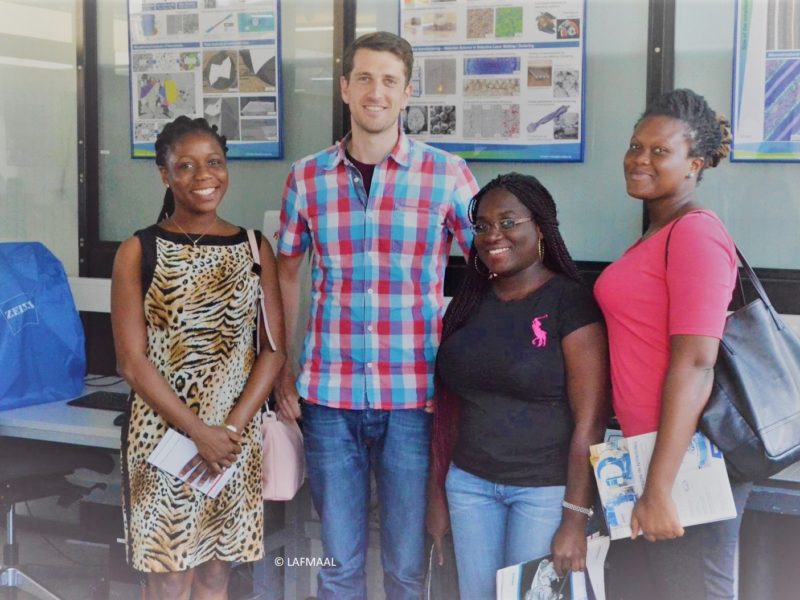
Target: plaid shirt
(377, 270)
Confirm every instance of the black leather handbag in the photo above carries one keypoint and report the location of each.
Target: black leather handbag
(753, 414)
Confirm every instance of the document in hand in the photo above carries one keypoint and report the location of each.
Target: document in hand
(702, 491)
(172, 454)
(537, 579)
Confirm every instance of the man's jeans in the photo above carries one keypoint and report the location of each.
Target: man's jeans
(341, 445)
(496, 525)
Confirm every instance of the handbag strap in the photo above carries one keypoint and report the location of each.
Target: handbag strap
(751, 275)
(261, 314)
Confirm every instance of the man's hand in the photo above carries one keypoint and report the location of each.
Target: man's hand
(286, 396)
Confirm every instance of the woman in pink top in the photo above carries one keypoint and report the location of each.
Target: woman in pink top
(665, 302)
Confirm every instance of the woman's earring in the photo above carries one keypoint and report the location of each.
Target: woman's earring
(690, 175)
(541, 249)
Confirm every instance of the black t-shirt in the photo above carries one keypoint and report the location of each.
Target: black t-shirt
(365, 170)
(507, 366)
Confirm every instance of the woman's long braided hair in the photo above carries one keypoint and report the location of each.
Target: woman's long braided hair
(535, 197)
(172, 132)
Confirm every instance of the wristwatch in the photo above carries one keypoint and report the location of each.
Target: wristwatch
(586, 511)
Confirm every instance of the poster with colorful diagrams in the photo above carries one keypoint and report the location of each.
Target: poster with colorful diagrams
(766, 81)
(217, 59)
(497, 79)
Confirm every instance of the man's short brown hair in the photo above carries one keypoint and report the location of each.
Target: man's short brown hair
(380, 41)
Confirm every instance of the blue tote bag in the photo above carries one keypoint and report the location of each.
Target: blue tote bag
(42, 350)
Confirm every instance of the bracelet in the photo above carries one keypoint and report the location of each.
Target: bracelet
(586, 511)
(232, 428)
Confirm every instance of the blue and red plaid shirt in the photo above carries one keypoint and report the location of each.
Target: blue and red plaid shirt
(377, 270)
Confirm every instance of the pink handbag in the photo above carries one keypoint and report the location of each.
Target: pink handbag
(284, 467)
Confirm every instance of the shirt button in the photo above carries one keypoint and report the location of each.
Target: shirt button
(369, 365)
(369, 290)
(356, 179)
(369, 328)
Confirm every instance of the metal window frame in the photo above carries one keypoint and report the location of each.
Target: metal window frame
(96, 256)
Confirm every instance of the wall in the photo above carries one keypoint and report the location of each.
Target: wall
(38, 139)
(38, 184)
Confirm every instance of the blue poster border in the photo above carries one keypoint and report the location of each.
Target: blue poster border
(264, 150)
(764, 151)
(487, 152)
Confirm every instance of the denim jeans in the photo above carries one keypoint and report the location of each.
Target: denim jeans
(495, 526)
(341, 447)
(700, 565)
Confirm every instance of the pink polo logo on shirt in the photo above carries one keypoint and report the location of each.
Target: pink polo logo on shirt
(539, 335)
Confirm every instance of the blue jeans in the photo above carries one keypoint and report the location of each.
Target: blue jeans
(341, 446)
(495, 526)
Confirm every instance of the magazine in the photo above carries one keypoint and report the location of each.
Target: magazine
(702, 491)
(537, 579)
(174, 451)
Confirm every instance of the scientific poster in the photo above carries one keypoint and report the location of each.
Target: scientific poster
(218, 59)
(497, 79)
(766, 81)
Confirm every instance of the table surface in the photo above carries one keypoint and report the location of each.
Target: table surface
(60, 422)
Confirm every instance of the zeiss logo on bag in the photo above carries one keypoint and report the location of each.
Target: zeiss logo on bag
(19, 311)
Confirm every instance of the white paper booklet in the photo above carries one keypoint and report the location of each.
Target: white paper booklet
(702, 491)
(172, 454)
(537, 579)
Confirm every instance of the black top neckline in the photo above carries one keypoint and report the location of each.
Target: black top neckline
(205, 240)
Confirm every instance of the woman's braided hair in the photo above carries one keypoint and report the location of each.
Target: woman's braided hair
(535, 197)
(167, 138)
(708, 133)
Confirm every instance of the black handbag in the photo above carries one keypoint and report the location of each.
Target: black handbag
(753, 414)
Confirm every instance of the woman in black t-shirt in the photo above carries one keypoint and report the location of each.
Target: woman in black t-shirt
(522, 392)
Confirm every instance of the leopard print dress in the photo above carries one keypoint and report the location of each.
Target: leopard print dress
(200, 312)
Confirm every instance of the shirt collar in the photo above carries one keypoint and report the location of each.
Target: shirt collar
(401, 153)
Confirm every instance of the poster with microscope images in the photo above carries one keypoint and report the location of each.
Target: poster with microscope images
(766, 81)
(217, 59)
(497, 79)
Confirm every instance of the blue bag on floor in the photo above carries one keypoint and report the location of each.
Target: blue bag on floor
(42, 350)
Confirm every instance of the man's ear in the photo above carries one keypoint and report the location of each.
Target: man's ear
(408, 91)
(344, 86)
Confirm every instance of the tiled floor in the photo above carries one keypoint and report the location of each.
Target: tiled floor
(72, 570)
(79, 571)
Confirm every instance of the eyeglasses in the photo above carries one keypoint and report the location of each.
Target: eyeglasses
(482, 228)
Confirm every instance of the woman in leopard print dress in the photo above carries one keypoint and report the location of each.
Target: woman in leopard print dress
(183, 307)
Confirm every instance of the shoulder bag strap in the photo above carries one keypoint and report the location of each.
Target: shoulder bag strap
(748, 270)
(262, 310)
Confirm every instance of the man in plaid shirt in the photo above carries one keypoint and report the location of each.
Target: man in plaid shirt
(379, 212)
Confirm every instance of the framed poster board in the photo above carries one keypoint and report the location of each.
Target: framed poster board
(766, 81)
(498, 80)
(218, 59)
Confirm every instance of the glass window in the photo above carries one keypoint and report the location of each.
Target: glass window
(131, 190)
(598, 220)
(38, 128)
(758, 202)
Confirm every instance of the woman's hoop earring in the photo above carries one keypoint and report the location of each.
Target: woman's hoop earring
(541, 249)
(487, 274)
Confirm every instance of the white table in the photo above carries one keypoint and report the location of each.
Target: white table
(60, 422)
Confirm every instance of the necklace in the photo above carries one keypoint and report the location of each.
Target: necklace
(200, 237)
